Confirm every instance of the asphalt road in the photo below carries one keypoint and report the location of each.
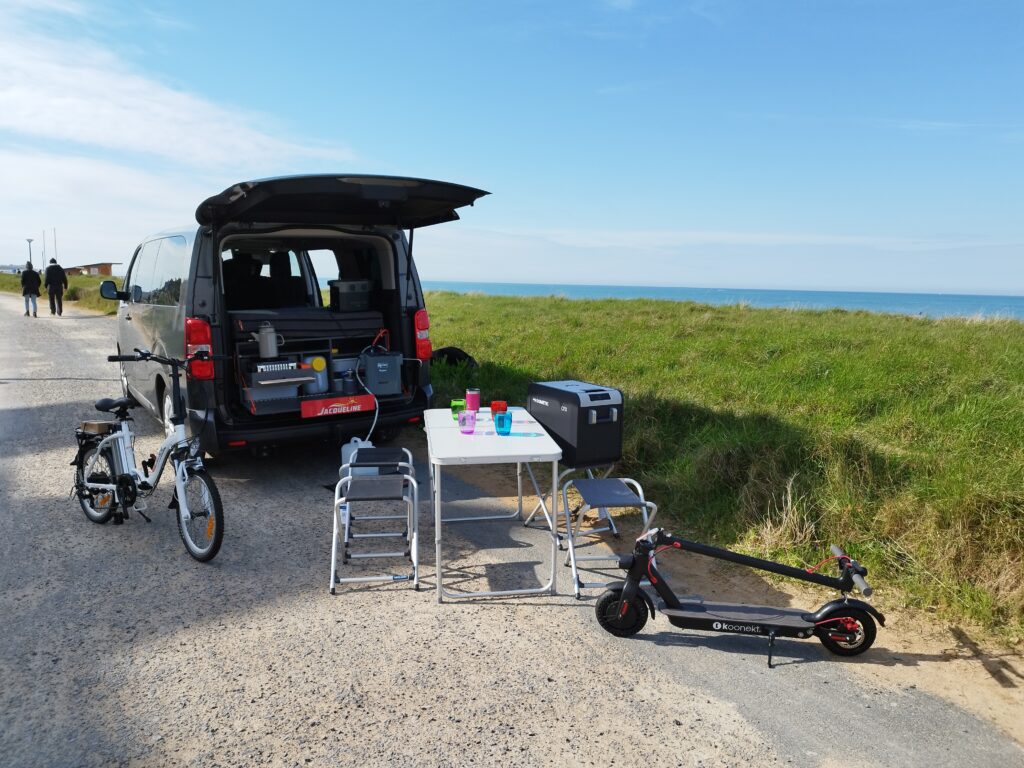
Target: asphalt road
(118, 649)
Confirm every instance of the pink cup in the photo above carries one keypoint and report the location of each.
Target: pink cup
(472, 399)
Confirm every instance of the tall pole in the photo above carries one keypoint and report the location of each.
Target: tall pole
(29, 250)
(44, 246)
(55, 244)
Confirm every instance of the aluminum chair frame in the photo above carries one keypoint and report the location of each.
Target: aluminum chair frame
(343, 517)
(573, 559)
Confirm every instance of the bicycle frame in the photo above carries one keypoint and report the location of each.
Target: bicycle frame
(121, 445)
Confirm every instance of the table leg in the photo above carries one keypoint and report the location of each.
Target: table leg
(519, 487)
(554, 526)
(437, 528)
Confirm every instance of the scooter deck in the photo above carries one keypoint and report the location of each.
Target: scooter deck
(737, 617)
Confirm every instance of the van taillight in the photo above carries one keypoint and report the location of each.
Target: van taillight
(424, 349)
(198, 338)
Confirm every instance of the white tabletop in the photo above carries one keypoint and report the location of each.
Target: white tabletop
(527, 442)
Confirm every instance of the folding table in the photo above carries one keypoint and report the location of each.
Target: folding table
(447, 446)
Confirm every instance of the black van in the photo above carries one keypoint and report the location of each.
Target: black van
(246, 285)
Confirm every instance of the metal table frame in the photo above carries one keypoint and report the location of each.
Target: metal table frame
(448, 447)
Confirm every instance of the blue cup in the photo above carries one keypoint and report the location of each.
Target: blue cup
(503, 423)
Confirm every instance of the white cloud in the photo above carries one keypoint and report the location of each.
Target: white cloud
(715, 259)
(662, 240)
(100, 209)
(78, 93)
(105, 154)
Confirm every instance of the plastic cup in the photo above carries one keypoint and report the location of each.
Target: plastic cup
(458, 406)
(503, 422)
(472, 399)
(498, 406)
(467, 422)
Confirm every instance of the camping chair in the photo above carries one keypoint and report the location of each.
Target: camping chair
(602, 494)
(375, 475)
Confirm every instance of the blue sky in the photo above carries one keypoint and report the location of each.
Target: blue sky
(848, 144)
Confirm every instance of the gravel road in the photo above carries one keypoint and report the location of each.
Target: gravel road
(119, 649)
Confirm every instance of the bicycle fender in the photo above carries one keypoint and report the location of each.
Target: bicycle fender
(835, 605)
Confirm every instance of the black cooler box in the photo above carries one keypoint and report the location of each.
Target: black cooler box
(584, 419)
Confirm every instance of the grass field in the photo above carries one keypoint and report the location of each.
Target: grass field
(782, 431)
(84, 289)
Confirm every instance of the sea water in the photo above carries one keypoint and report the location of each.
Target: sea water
(920, 304)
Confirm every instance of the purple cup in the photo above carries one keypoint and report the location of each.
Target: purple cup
(467, 422)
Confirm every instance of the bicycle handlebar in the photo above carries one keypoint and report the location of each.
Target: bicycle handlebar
(857, 571)
(144, 354)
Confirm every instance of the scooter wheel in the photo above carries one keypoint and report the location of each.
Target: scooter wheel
(847, 632)
(610, 616)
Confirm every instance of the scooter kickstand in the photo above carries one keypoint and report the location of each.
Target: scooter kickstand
(771, 644)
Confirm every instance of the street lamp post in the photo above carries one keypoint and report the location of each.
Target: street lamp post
(29, 249)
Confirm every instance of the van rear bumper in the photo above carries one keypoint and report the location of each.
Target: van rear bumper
(217, 436)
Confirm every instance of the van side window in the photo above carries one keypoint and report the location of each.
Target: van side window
(171, 269)
(140, 275)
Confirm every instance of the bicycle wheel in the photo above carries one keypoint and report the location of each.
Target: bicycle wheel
(97, 505)
(203, 533)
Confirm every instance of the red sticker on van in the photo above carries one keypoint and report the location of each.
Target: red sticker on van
(336, 406)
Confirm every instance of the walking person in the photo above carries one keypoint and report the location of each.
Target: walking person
(56, 283)
(30, 282)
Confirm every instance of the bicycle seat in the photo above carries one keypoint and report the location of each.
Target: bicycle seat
(110, 404)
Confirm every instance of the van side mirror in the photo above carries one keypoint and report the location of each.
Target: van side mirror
(108, 290)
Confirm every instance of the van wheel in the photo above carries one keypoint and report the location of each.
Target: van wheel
(386, 434)
(165, 413)
(124, 376)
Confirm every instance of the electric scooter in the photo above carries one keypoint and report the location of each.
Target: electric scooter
(845, 627)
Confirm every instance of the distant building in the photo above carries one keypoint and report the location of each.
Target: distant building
(104, 268)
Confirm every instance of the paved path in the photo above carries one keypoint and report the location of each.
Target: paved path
(118, 649)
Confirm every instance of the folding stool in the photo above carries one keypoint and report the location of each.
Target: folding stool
(601, 493)
(392, 479)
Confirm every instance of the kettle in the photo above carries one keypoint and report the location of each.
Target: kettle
(268, 340)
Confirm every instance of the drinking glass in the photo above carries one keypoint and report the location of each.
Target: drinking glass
(467, 422)
(472, 399)
(458, 406)
(503, 422)
(498, 406)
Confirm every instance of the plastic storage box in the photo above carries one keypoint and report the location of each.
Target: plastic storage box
(584, 419)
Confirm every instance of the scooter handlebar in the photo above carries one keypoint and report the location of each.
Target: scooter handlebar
(862, 585)
(858, 580)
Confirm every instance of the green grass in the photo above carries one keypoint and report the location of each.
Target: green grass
(83, 289)
(781, 431)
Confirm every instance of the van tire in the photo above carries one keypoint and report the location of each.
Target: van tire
(386, 434)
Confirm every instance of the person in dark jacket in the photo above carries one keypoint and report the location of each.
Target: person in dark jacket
(30, 283)
(56, 283)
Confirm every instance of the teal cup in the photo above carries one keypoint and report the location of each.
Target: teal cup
(503, 423)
